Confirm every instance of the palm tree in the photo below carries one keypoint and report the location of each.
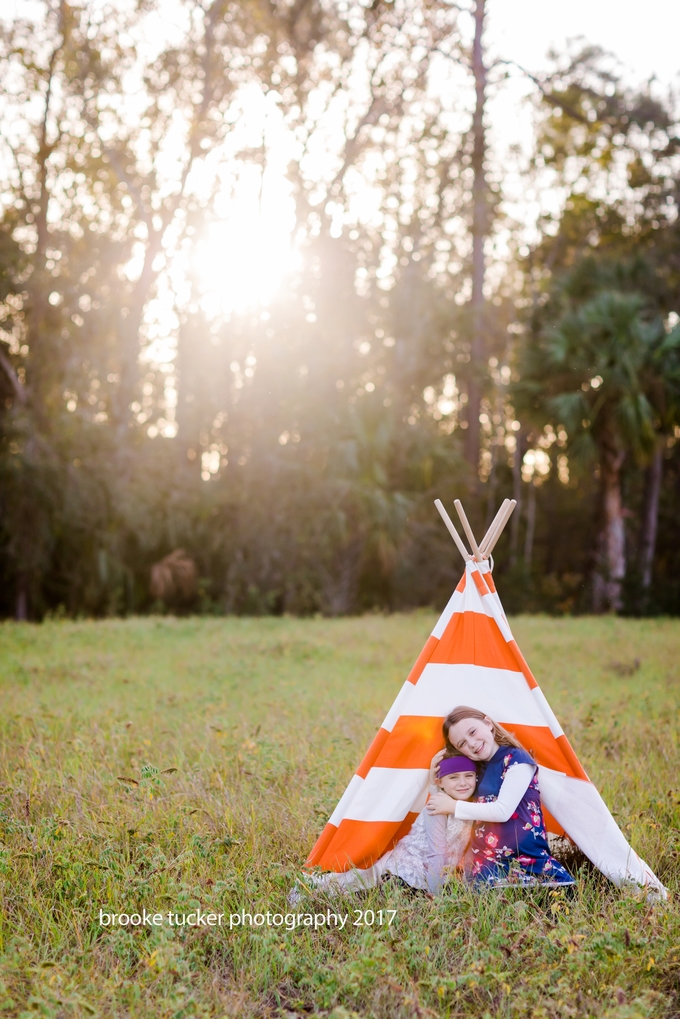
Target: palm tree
(609, 374)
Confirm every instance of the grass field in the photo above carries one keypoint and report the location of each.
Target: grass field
(170, 764)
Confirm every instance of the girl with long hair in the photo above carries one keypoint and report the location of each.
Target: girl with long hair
(433, 849)
(509, 840)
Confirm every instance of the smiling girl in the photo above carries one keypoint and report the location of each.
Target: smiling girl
(433, 849)
(435, 846)
(509, 840)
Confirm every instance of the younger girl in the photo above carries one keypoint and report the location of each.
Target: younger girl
(434, 845)
(433, 848)
(509, 840)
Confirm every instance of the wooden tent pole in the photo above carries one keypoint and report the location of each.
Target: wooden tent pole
(506, 516)
(468, 530)
(492, 529)
(452, 530)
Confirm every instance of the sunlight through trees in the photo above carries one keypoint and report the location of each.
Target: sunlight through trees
(264, 297)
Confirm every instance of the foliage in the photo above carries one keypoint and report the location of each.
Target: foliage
(604, 370)
(293, 447)
(174, 764)
(634, 366)
(600, 358)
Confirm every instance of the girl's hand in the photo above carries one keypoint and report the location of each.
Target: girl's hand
(440, 803)
(434, 766)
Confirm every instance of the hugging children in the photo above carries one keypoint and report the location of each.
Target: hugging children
(483, 818)
(434, 847)
(509, 839)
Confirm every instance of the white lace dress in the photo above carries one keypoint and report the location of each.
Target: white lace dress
(409, 858)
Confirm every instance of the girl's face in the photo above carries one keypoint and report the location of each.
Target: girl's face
(460, 786)
(474, 737)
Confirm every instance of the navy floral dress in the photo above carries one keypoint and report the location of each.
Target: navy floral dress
(515, 851)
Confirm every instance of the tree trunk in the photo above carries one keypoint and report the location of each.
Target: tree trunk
(517, 496)
(21, 608)
(653, 477)
(479, 228)
(531, 527)
(40, 281)
(491, 484)
(611, 567)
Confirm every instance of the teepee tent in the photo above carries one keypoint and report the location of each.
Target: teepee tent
(470, 658)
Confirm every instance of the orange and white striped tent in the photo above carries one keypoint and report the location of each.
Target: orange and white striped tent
(470, 658)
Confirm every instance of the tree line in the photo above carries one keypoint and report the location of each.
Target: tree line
(160, 452)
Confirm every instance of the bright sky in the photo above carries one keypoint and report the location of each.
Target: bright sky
(250, 244)
(643, 35)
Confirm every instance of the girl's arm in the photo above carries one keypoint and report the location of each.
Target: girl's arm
(434, 770)
(513, 788)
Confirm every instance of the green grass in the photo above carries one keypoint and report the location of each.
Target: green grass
(264, 721)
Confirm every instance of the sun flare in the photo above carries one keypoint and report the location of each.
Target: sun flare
(243, 258)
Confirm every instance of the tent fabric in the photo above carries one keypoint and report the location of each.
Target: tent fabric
(470, 658)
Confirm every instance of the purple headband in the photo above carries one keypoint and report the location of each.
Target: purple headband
(452, 765)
